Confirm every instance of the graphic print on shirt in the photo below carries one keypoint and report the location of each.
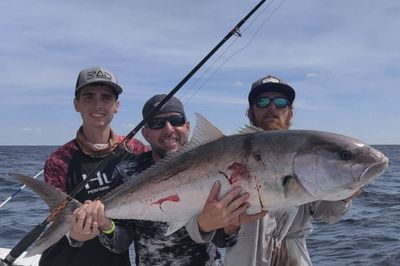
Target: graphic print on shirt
(81, 167)
(99, 183)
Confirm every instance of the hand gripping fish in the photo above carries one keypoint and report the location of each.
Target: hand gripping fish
(279, 169)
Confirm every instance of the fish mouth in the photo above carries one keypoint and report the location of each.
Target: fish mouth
(374, 170)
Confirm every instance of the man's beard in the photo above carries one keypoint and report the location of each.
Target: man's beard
(276, 124)
(162, 153)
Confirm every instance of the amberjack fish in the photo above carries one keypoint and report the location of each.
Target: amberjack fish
(279, 169)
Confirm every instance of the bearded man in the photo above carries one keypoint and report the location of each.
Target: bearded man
(279, 238)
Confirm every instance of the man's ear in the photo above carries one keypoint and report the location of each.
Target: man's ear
(76, 105)
(290, 113)
(116, 107)
(250, 115)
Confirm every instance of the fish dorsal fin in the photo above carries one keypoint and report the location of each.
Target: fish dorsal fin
(249, 129)
(204, 133)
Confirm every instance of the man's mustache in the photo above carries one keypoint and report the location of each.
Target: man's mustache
(271, 115)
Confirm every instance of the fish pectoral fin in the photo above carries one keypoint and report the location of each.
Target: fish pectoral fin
(174, 226)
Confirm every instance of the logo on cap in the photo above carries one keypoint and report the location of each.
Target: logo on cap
(98, 74)
(270, 79)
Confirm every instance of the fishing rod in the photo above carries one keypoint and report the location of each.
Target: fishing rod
(120, 151)
(18, 190)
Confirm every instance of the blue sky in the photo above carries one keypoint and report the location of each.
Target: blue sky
(342, 57)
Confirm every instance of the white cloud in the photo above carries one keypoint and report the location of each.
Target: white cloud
(313, 75)
(238, 84)
(32, 129)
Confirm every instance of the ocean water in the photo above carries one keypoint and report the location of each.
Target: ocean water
(369, 234)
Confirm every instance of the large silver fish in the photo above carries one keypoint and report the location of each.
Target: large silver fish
(280, 169)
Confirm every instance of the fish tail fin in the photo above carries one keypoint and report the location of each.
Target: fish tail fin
(53, 197)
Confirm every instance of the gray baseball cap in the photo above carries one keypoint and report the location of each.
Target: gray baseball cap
(271, 83)
(98, 75)
(174, 105)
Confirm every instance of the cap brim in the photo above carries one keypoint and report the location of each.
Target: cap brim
(112, 85)
(274, 87)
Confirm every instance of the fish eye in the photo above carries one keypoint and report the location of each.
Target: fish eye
(345, 155)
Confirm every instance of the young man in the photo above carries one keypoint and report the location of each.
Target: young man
(96, 99)
(191, 245)
(271, 108)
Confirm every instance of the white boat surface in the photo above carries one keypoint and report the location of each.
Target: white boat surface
(21, 261)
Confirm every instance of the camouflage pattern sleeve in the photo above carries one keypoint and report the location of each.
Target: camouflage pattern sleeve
(222, 240)
(122, 237)
(135, 145)
(217, 237)
(56, 166)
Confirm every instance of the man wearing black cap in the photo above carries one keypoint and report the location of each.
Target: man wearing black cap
(96, 99)
(162, 138)
(192, 244)
(271, 104)
(278, 239)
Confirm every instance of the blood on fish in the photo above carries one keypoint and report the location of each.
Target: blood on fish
(238, 170)
(173, 198)
(258, 187)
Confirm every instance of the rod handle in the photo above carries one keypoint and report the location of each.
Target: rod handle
(25, 243)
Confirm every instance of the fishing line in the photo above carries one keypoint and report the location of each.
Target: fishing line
(18, 190)
(196, 90)
(238, 34)
(240, 49)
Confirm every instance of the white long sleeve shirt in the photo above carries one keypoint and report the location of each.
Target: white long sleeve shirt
(280, 237)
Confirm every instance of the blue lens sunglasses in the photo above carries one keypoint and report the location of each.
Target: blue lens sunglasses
(264, 102)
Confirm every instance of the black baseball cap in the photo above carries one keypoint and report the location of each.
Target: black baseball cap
(173, 105)
(271, 83)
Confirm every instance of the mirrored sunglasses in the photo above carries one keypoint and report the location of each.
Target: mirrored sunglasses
(264, 102)
(159, 122)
